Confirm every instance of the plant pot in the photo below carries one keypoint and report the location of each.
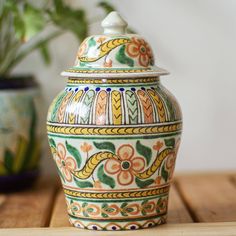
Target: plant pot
(20, 135)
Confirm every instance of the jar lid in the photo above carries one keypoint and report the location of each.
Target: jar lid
(114, 53)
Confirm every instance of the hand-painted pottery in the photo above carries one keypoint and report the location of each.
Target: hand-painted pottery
(19, 132)
(114, 132)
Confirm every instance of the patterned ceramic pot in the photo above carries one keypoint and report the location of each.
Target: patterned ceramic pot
(114, 132)
(20, 133)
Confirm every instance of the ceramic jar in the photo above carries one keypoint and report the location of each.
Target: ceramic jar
(114, 132)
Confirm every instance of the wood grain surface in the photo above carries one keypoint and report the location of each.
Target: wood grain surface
(199, 204)
(210, 198)
(191, 229)
(31, 208)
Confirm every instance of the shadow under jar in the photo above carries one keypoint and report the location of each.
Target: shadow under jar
(114, 132)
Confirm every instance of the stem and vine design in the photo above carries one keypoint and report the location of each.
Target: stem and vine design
(113, 166)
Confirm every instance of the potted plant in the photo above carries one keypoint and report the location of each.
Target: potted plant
(22, 30)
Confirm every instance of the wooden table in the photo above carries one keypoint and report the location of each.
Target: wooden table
(200, 204)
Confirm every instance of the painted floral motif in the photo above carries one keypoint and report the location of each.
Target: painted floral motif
(107, 63)
(170, 161)
(85, 147)
(105, 210)
(65, 164)
(101, 39)
(126, 165)
(140, 49)
(114, 52)
(158, 146)
(115, 140)
(82, 49)
(74, 208)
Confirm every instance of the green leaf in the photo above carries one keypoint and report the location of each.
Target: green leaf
(123, 213)
(164, 173)
(159, 201)
(52, 142)
(110, 210)
(83, 184)
(83, 64)
(69, 19)
(34, 21)
(84, 204)
(129, 209)
(105, 145)
(104, 215)
(58, 5)
(144, 212)
(104, 205)
(123, 205)
(143, 183)
(85, 213)
(170, 142)
(144, 151)
(122, 58)
(8, 160)
(105, 178)
(90, 209)
(19, 27)
(45, 54)
(75, 153)
(91, 42)
(106, 6)
(144, 202)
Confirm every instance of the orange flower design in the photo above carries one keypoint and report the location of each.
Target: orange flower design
(97, 184)
(158, 146)
(158, 180)
(140, 49)
(82, 49)
(64, 163)
(101, 39)
(107, 63)
(86, 147)
(170, 161)
(126, 165)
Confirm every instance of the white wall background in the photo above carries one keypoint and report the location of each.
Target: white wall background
(196, 41)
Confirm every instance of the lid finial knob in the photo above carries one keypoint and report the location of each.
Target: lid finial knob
(114, 24)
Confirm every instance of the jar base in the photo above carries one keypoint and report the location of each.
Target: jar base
(118, 226)
(18, 182)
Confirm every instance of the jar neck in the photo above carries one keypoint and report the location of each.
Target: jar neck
(112, 81)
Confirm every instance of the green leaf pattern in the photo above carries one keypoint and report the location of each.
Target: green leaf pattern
(100, 175)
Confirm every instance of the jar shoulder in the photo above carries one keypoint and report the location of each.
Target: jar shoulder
(117, 105)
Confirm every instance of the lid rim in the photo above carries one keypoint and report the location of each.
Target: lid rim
(95, 73)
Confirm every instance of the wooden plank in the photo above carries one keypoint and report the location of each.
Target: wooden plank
(29, 208)
(177, 211)
(210, 198)
(233, 178)
(59, 214)
(191, 229)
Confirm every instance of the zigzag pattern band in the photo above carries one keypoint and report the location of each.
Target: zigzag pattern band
(155, 129)
(117, 195)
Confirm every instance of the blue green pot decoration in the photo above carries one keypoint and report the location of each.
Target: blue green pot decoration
(20, 133)
(114, 133)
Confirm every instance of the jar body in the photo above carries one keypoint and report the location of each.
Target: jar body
(115, 143)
